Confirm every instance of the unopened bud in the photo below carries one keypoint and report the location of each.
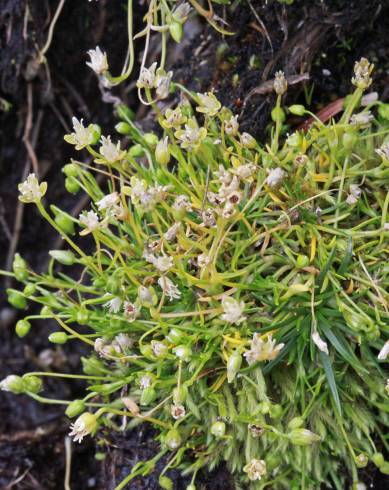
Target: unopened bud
(218, 429)
(65, 257)
(22, 328)
(16, 299)
(183, 352)
(175, 29)
(173, 439)
(162, 152)
(280, 84)
(361, 460)
(302, 437)
(233, 365)
(19, 267)
(32, 383)
(75, 408)
(58, 338)
(12, 383)
(295, 423)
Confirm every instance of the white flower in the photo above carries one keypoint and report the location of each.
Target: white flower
(383, 151)
(111, 152)
(231, 127)
(82, 136)
(383, 354)
(203, 260)
(280, 84)
(181, 12)
(191, 136)
(98, 61)
(275, 177)
(362, 72)
(104, 348)
(208, 217)
(123, 341)
(182, 202)
(147, 77)
(355, 194)
(361, 119)
(208, 104)
(159, 348)
(108, 202)
(145, 381)
(162, 84)
(84, 425)
(171, 233)
(114, 305)
(262, 350)
(173, 118)
(319, 342)
(90, 220)
(30, 190)
(223, 175)
(233, 310)
(245, 171)
(138, 188)
(169, 288)
(163, 263)
(177, 411)
(131, 311)
(11, 383)
(255, 469)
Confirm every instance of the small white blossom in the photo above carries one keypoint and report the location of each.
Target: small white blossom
(177, 411)
(147, 77)
(248, 141)
(84, 425)
(383, 354)
(355, 194)
(162, 84)
(163, 263)
(362, 72)
(319, 342)
(275, 177)
(90, 220)
(131, 311)
(362, 119)
(30, 190)
(208, 104)
(231, 127)
(181, 12)
(245, 171)
(171, 233)
(145, 381)
(223, 175)
(169, 288)
(114, 305)
(82, 136)
(110, 152)
(203, 260)
(138, 188)
(191, 136)
(262, 350)
(383, 151)
(280, 84)
(173, 118)
(386, 226)
(208, 217)
(123, 341)
(182, 202)
(159, 348)
(255, 469)
(98, 61)
(109, 203)
(255, 430)
(233, 310)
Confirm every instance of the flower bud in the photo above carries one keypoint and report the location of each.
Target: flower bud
(176, 31)
(72, 185)
(46, 311)
(233, 365)
(280, 84)
(148, 396)
(29, 289)
(174, 336)
(16, 299)
(384, 468)
(58, 338)
(75, 408)
(82, 316)
(136, 151)
(19, 267)
(32, 383)
(112, 285)
(65, 257)
(162, 152)
(84, 425)
(146, 351)
(159, 349)
(295, 423)
(92, 366)
(191, 487)
(183, 352)
(361, 460)
(173, 439)
(165, 482)
(278, 114)
(248, 141)
(302, 437)
(218, 429)
(63, 220)
(275, 411)
(123, 128)
(22, 328)
(378, 459)
(297, 109)
(12, 383)
(302, 261)
(125, 112)
(180, 394)
(95, 131)
(264, 407)
(71, 170)
(349, 139)
(151, 139)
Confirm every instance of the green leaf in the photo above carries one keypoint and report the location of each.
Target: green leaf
(347, 258)
(325, 360)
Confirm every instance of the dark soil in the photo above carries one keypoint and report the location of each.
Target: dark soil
(321, 38)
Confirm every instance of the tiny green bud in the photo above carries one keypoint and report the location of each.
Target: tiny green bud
(162, 153)
(16, 299)
(65, 257)
(22, 328)
(302, 437)
(12, 383)
(113, 285)
(148, 396)
(183, 352)
(75, 408)
(46, 311)
(32, 383)
(349, 139)
(165, 482)
(180, 394)
(123, 128)
(233, 365)
(136, 151)
(378, 459)
(174, 336)
(71, 170)
(176, 31)
(218, 429)
(63, 220)
(125, 112)
(295, 423)
(384, 468)
(302, 261)
(100, 456)
(29, 289)
(58, 338)
(19, 267)
(72, 185)
(361, 460)
(264, 407)
(297, 109)
(278, 114)
(82, 316)
(95, 132)
(275, 411)
(92, 366)
(146, 351)
(173, 439)
(191, 486)
(151, 139)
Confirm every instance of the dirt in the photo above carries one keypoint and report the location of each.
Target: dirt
(322, 38)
